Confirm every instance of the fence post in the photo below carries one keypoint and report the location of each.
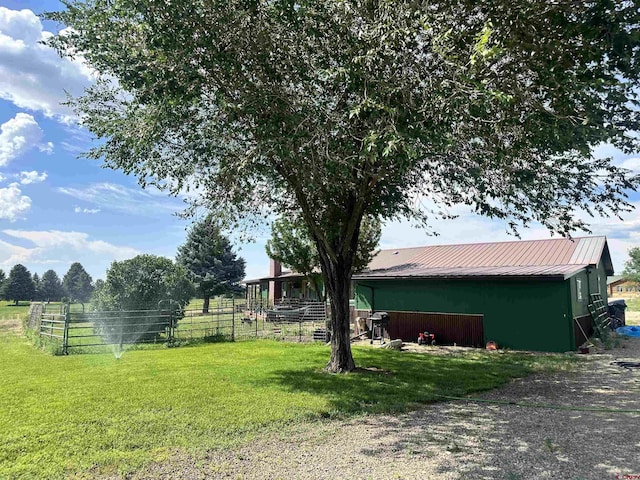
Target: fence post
(233, 328)
(172, 323)
(65, 335)
(233, 310)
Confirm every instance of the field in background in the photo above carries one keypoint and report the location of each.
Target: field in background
(632, 314)
(9, 311)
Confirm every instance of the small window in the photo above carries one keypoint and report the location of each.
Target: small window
(629, 289)
(619, 289)
(579, 289)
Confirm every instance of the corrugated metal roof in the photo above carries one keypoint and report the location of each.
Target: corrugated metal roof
(541, 258)
(553, 271)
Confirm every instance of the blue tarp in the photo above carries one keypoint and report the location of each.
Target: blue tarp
(629, 331)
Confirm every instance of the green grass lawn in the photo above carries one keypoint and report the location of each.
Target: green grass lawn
(83, 415)
(9, 311)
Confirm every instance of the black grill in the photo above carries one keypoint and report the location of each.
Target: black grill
(378, 323)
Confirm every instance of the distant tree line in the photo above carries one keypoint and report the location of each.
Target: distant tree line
(205, 265)
(76, 285)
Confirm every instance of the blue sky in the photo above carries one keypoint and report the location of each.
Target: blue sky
(57, 208)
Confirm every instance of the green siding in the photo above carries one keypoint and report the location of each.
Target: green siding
(579, 282)
(589, 284)
(519, 314)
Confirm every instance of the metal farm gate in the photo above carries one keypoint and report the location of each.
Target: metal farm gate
(226, 320)
(118, 328)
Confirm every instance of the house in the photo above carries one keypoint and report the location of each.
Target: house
(527, 295)
(279, 285)
(619, 286)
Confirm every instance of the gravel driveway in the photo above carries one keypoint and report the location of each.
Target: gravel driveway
(461, 439)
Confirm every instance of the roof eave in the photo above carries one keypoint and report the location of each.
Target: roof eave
(555, 276)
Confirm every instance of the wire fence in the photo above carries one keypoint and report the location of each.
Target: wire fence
(76, 330)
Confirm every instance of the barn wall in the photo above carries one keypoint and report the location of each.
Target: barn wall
(520, 314)
(593, 282)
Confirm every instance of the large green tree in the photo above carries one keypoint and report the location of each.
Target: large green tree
(292, 245)
(50, 286)
(144, 282)
(77, 283)
(19, 285)
(209, 256)
(339, 109)
(632, 266)
(37, 287)
(137, 286)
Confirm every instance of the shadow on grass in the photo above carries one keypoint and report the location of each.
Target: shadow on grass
(392, 381)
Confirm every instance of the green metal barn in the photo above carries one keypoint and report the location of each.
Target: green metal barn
(526, 295)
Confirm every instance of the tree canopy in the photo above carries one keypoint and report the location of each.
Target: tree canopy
(141, 283)
(338, 109)
(632, 266)
(77, 283)
(2, 283)
(37, 295)
(19, 286)
(50, 286)
(137, 286)
(292, 245)
(208, 255)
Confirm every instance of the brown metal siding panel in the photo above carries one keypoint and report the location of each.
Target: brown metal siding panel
(449, 328)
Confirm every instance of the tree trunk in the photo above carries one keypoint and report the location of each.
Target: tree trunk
(338, 280)
(205, 305)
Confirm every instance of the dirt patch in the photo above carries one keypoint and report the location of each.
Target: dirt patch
(573, 425)
(10, 326)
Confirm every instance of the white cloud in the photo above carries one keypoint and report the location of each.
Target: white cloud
(32, 75)
(110, 197)
(32, 177)
(46, 148)
(18, 136)
(11, 255)
(632, 164)
(60, 247)
(86, 210)
(13, 205)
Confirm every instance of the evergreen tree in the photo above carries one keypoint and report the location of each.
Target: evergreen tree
(37, 295)
(208, 255)
(77, 284)
(19, 285)
(50, 286)
(3, 279)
